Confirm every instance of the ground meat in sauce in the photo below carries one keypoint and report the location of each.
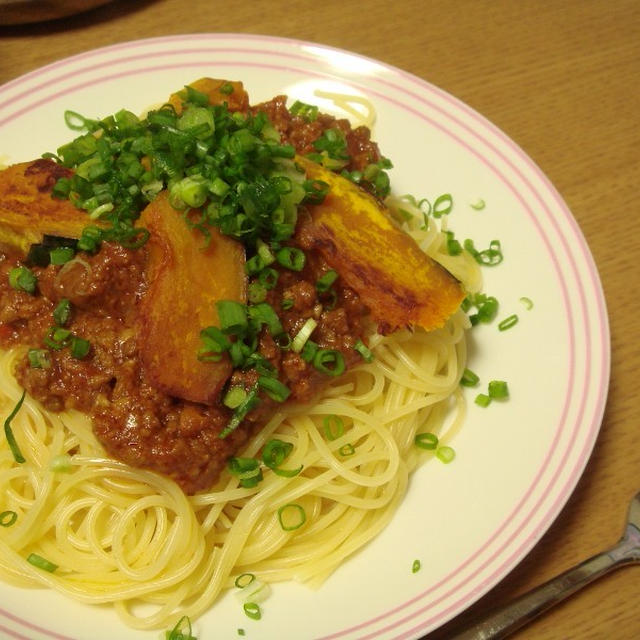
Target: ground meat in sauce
(135, 422)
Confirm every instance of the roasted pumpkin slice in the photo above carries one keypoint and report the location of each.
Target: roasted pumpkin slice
(28, 212)
(185, 279)
(355, 234)
(218, 91)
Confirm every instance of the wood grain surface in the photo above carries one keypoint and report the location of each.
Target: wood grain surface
(562, 79)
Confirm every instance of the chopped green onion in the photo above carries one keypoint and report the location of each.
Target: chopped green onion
(325, 281)
(328, 424)
(415, 567)
(41, 563)
(264, 314)
(527, 302)
(22, 279)
(479, 205)
(487, 257)
(291, 516)
(61, 255)
(244, 580)
(427, 441)
(275, 452)
(364, 351)
(309, 351)
(252, 610)
(507, 323)
(291, 258)
(234, 397)
(62, 312)
(275, 389)
(8, 518)
(247, 470)
(306, 111)
(268, 278)
(241, 632)
(483, 400)
(454, 248)
(61, 463)
(13, 445)
(226, 89)
(498, 390)
(445, 454)
(469, 378)
(303, 335)
(329, 362)
(250, 402)
(182, 630)
(347, 450)
(57, 338)
(286, 304)
(232, 316)
(442, 205)
(39, 358)
(80, 347)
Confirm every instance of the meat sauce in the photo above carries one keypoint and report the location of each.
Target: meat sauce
(135, 422)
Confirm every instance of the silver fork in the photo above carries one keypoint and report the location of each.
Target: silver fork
(522, 610)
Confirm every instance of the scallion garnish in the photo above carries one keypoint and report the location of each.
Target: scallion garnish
(427, 441)
(252, 610)
(39, 358)
(244, 580)
(291, 258)
(442, 205)
(333, 427)
(41, 563)
(62, 312)
(8, 518)
(23, 279)
(182, 630)
(482, 400)
(498, 390)
(79, 347)
(61, 463)
(306, 111)
(303, 335)
(8, 432)
(469, 378)
(247, 470)
(291, 516)
(508, 322)
(275, 389)
(347, 450)
(415, 567)
(527, 302)
(329, 362)
(325, 282)
(363, 350)
(445, 454)
(275, 452)
(478, 205)
(487, 257)
(61, 255)
(240, 412)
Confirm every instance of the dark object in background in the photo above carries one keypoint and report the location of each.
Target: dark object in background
(28, 11)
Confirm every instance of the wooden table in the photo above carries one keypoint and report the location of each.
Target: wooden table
(560, 78)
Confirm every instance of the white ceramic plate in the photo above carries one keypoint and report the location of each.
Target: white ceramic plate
(469, 522)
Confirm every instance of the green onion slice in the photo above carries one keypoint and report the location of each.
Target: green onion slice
(415, 567)
(347, 450)
(62, 312)
(8, 518)
(469, 378)
(445, 454)
(498, 390)
(41, 563)
(244, 580)
(8, 432)
(508, 322)
(291, 516)
(303, 335)
(527, 302)
(427, 441)
(275, 452)
(329, 362)
(182, 630)
(22, 279)
(364, 351)
(483, 400)
(333, 427)
(252, 610)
